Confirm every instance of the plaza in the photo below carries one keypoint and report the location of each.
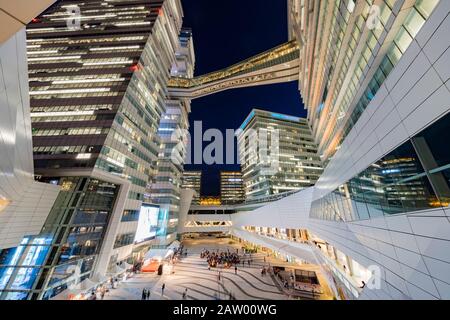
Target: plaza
(192, 273)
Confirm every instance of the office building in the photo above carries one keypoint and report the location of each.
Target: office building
(277, 154)
(97, 89)
(173, 132)
(193, 180)
(24, 202)
(231, 187)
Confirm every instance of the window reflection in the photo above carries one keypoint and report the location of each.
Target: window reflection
(415, 176)
(435, 156)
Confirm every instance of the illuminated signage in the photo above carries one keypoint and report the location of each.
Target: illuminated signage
(147, 223)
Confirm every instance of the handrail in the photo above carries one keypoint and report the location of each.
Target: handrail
(271, 198)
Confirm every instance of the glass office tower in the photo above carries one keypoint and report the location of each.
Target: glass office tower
(360, 43)
(98, 75)
(173, 132)
(231, 187)
(193, 180)
(285, 141)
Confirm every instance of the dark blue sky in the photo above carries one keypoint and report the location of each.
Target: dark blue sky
(226, 32)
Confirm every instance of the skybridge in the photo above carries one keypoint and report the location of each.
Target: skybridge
(278, 65)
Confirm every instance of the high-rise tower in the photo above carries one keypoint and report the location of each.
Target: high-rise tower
(174, 135)
(285, 157)
(231, 187)
(193, 180)
(98, 73)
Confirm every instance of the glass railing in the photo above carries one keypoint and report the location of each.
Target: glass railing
(270, 198)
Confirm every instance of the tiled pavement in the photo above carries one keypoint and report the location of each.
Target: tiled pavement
(202, 284)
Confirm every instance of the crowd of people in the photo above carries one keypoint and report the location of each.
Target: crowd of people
(225, 259)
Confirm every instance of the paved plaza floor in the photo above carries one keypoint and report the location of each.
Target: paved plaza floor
(192, 273)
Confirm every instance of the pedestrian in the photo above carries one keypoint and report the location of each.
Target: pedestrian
(248, 261)
(162, 289)
(144, 294)
(102, 293)
(148, 294)
(235, 269)
(185, 294)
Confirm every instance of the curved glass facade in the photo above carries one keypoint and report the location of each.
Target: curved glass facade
(415, 176)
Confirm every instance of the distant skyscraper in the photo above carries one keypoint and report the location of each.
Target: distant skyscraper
(193, 180)
(98, 92)
(298, 165)
(231, 187)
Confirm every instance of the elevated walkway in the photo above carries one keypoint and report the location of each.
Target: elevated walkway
(280, 64)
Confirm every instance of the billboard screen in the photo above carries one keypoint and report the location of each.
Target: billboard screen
(147, 224)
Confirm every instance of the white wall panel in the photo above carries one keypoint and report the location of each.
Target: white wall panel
(29, 201)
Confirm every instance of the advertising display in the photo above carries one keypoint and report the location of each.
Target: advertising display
(147, 224)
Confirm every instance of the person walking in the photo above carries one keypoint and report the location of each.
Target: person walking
(185, 294)
(162, 289)
(144, 294)
(235, 269)
(148, 294)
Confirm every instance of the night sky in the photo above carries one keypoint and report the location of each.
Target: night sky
(226, 32)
